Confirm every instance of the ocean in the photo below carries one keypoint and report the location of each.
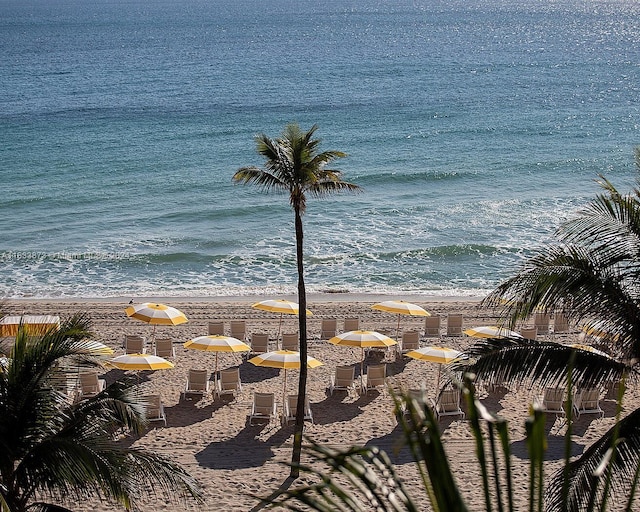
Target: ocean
(474, 127)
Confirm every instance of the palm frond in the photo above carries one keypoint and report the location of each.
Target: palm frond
(543, 363)
(583, 479)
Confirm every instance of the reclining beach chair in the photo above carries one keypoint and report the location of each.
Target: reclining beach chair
(164, 348)
(90, 384)
(291, 341)
(529, 333)
(560, 323)
(134, 345)
(351, 324)
(344, 378)
(410, 341)
(553, 401)
(154, 409)
(329, 328)
(216, 329)
(263, 407)
(432, 326)
(541, 321)
(197, 383)
(376, 377)
(447, 404)
(259, 343)
(587, 401)
(454, 324)
(290, 408)
(239, 329)
(228, 383)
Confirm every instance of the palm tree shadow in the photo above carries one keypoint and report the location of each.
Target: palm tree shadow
(555, 448)
(245, 450)
(333, 410)
(185, 412)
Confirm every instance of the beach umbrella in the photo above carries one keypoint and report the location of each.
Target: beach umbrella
(139, 362)
(284, 360)
(491, 332)
(599, 329)
(439, 355)
(363, 339)
(156, 314)
(282, 306)
(589, 348)
(217, 343)
(400, 307)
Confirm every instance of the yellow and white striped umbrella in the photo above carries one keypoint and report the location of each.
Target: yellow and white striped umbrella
(217, 343)
(491, 332)
(282, 306)
(363, 339)
(140, 362)
(589, 348)
(400, 307)
(285, 360)
(440, 355)
(156, 314)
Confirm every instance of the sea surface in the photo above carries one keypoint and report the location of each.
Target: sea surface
(474, 127)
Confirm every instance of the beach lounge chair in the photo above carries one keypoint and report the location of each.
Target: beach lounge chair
(228, 383)
(90, 384)
(376, 377)
(239, 329)
(134, 345)
(259, 343)
(553, 401)
(263, 407)
(454, 324)
(197, 383)
(291, 341)
(529, 333)
(216, 328)
(447, 404)
(344, 378)
(351, 324)
(410, 341)
(560, 323)
(290, 405)
(432, 326)
(329, 328)
(587, 401)
(541, 321)
(154, 409)
(164, 348)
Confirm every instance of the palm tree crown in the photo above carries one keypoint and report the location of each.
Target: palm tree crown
(294, 165)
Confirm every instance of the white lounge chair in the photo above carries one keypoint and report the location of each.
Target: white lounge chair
(291, 341)
(410, 341)
(263, 407)
(164, 348)
(447, 404)
(587, 401)
(197, 383)
(542, 321)
(376, 377)
(454, 324)
(329, 328)
(351, 324)
(529, 333)
(553, 401)
(154, 409)
(228, 383)
(432, 326)
(290, 408)
(259, 343)
(134, 345)
(215, 328)
(344, 379)
(239, 329)
(90, 384)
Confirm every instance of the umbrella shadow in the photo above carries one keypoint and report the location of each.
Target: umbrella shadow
(333, 409)
(251, 373)
(394, 445)
(555, 448)
(185, 412)
(245, 450)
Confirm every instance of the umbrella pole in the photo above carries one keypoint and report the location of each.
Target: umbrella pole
(279, 329)
(284, 389)
(398, 329)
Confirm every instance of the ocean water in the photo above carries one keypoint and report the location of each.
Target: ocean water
(474, 127)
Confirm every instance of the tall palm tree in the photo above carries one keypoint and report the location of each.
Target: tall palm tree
(53, 448)
(294, 165)
(593, 273)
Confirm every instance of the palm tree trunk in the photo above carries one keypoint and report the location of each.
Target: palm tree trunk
(302, 383)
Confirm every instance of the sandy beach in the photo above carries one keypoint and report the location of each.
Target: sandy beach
(233, 460)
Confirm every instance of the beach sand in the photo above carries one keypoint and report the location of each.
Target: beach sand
(233, 461)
